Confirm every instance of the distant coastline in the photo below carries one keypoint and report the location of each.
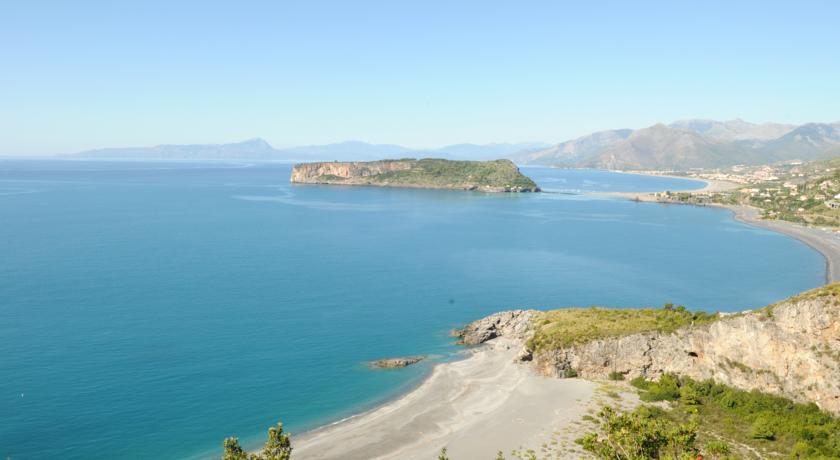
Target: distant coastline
(822, 241)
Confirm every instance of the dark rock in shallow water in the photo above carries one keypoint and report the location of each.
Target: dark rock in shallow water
(392, 363)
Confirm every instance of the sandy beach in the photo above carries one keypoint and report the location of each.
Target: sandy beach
(474, 407)
(825, 242)
(488, 402)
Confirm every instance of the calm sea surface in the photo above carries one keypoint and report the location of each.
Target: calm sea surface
(149, 310)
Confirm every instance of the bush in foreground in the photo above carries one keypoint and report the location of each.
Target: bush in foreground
(277, 447)
(762, 420)
(643, 433)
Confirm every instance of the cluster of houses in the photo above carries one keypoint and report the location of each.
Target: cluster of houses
(787, 193)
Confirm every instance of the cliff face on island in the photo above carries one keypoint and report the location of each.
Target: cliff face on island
(791, 349)
(485, 176)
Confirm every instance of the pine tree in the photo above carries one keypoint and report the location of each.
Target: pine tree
(233, 451)
(278, 446)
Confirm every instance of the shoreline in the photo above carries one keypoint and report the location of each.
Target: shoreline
(459, 406)
(824, 242)
(458, 403)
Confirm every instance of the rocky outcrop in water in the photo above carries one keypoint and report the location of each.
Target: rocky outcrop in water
(790, 349)
(392, 363)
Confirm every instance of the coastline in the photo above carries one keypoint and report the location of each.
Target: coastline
(824, 242)
(461, 405)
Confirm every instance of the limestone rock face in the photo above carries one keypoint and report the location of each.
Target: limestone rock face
(792, 350)
(313, 173)
(516, 324)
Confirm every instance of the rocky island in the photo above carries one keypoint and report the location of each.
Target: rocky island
(393, 363)
(484, 176)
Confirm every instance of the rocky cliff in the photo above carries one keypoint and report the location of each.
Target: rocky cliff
(791, 349)
(485, 176)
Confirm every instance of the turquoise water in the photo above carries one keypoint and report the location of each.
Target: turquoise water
(151, 309)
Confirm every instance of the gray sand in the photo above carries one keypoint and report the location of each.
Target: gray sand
(474, 407)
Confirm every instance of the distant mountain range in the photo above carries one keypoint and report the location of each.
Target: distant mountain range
(258, 149)
(690, 144)
(681, 145)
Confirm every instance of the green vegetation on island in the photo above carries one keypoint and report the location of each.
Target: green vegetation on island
(562, 328)
(490, 176)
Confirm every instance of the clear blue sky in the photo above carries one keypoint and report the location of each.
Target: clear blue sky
(83, 74)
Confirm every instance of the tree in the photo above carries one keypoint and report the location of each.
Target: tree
(233, 451)
(278, 446)
(443, 455)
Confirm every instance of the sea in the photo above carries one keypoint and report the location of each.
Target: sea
(152, 309)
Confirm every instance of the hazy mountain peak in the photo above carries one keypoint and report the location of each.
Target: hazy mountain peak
(573, 151)
(257, 142)
(692, 143)
(734, 130)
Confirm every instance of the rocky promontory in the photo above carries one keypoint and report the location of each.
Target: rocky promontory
(517, 324)
(484, 176)
(791, 348)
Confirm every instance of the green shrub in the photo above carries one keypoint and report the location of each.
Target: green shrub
(689, 395)
(666, 389)
(640, 434)
(717, 449)
(640, 383)
(762, 427)
(778, 424)
(616, 375)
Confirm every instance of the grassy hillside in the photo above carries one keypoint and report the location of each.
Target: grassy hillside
(565, 327)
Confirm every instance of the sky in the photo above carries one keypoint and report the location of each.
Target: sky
(87, 74)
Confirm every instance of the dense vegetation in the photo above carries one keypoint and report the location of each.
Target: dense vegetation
(565, 327)
(713, 419)
(642, 434)
(498, 173)
(277, 447)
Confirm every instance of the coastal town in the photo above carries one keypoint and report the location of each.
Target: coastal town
(806, 193)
